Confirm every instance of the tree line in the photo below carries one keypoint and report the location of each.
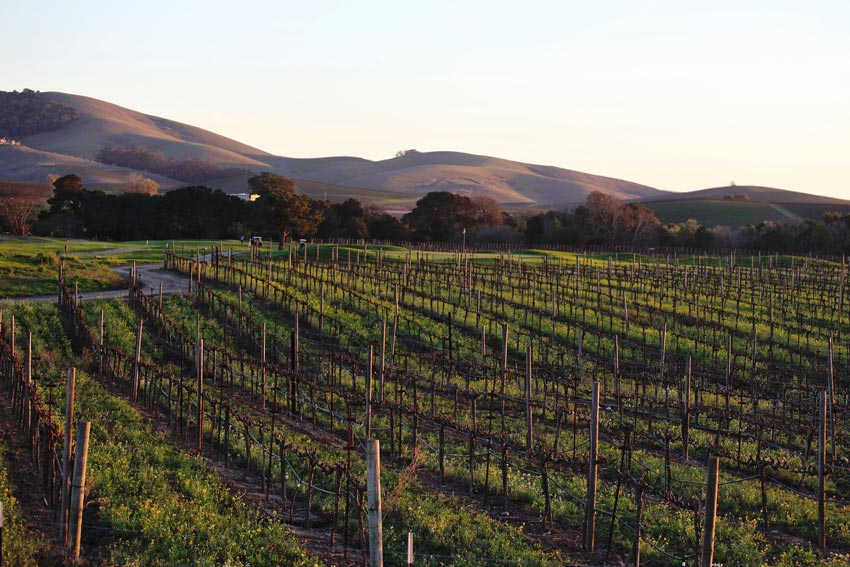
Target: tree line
(604, 221)
(280, 213)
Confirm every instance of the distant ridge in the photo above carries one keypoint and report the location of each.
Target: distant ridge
(396, 182)
(754, 193)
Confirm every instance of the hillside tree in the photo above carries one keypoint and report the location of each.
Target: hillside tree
(280, 210)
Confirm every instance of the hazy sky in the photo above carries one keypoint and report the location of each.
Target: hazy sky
(678, 94)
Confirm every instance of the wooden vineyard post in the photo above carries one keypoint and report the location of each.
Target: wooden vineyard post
(592, 470)
(529, 418)
(200, 395)
(638, 517)
(617, 371)
(451, 357)
(471, 463)
(395, 328)
(79, 486)
(841, 294)
(830, 384)
(728, 374)
(368, 421)
(409, 548)
(373, 503)
(544, 485)
(263, 366)
(137, 361)
(442, 452)
(321, 307)
(66, 455)
(101, 342)
(822, 404)
(712, 477)
(484, 354)
(504, 370)
(383, 360)
(297, 350)
(580, 348)
(294, 347)
(28, 378)
(686, 413)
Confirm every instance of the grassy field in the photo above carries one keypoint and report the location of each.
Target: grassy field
(30, 266)
(710, 212)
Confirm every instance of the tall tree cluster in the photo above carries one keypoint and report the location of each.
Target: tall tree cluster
(200, 212)
(602, 220)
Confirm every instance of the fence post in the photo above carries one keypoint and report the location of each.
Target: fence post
(638, 517)
(137, 360)
(66, 455)
(200, 395)
(617, 371)
(373, 480)
(504, 370)
(822, 403)
(100, 343)
(529, 409)
(368, 422)
(383, 359)
(27, 414)
(712, 476)
(592, 470)
(79, 485)
(831, 395)
(263, 364)
(686, 413)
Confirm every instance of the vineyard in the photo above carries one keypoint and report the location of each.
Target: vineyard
(549, 409)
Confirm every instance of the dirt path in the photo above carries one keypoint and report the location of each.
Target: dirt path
(785, 212)
(150, 277)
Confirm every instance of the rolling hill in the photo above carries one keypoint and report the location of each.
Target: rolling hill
(742, 205)
(395, 183)
(753, 193)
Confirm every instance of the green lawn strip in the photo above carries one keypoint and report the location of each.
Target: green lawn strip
(35, 272)
(30, 267)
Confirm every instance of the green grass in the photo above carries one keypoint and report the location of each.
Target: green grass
(19, 544)
(164, 506)
(30, 266)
